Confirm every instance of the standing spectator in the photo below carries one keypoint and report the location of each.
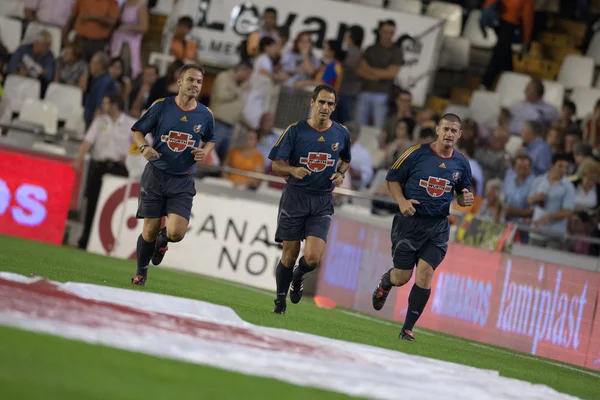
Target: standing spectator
(108, 140)
(141, 92)
(93, 21)
(34, 60)
(513, 14)
(49, 12)
(268, 28)
(536, 147)
(300, 63)
(553, 200)
(378, 68)
(591, 130)
(403, 112)
(165, 86)
(227, 103)
(132, 25)
(492, 159)
(350, 87)
(71, 69)
(246, 158)
(518, 184)
(331, 72)
(101, 84)
(181, 47)
(361, 170)
(491, 207)
(534, 108)
(587, 189)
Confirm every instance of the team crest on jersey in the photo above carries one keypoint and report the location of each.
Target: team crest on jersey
(455, 176)
(436, 187)
(317, 162)
(335, 146)
(197, 128)
(178, 141)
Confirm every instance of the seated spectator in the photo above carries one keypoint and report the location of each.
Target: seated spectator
(132, 25)
(300, 63)
(470, 132)
(403, 110)
(556, 138)
(34, 60)
(582, 153)
(361, 170)
(553, 200)
(518, 184)
(504, 119)
(580, 224)
(587, 189)
(266, 137)
(427, 135)
(492, 159)
(165, 86)
(116, 70)
(181, 47)
(400, 144)
(536, 147)
(141, 91)
(101, 85)
(71, 68)
(426, 118)
(534, 108)
(468, 150)
(350, 87)
(246, 158)
(49, 12)
(227, 103)
(331, 72)
(591, 130)
(268, 28)
(491, 207)
(567, 122)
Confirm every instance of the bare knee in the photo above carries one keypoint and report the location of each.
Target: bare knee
(150, 232)
(424, 277)
(312, 258)
(400, 277)
(290, 255)
(175, 236)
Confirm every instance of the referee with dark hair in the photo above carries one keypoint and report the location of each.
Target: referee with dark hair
(107, 140)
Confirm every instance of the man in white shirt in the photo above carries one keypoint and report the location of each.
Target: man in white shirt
(361, 168)
(532, 109)
(108, 141)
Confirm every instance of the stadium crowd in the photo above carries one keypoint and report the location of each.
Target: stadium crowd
(550, 180)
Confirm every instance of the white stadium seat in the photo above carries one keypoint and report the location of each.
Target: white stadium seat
(451, 13)
(18, 88)
(34, 27)
(12, 8)
(485, 107)
(66, 97)
(369, 137)
(10, 33)
(222, 182)
(511, 88)
(513, 145)
(585, 99)
(576, 71)
(162, 61)
(463, 112)
(49, 148)
(554, 93)
(40, 112)
(473, 32)
(455, 54)
(369, 3)
(414, 7)
(593, 50)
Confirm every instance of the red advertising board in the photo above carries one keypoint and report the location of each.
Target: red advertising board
(593, 358)
(34, 197)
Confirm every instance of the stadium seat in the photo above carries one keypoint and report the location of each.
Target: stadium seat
(369, 137)
(49, 148)
(473, 32)
(217, 181)
(451, 13)
(576, 71)
(18, 88)
(12, 8)
(10, 33)
(462, 111)
(66, 97)
(485, 107)
(585, 99)
(511, 88)
(34, 27)
(162, 61)
(369, 3)
(513, 145)
(554, 93)
(75, 123)
(266, 190)
(455, 54)
(593, 50)
(414, 7)
(41, 113)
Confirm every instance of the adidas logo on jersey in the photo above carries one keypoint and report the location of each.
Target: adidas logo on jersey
(184, 119)
(442, 165)
(321, 139)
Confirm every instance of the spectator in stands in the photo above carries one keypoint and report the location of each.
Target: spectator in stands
(518, 184)
(34, 60)
(568, 123)
(513, 14)
(426, 136)
(71, 69)
(591, 130)
(491, 207)
(492, 159)
(108, 140)
(582, 153)
(300, 63)
(467, 148)
(556, 138)
(425, 119)
(93, 21)
(101, 84)
(132, 25)
(400, 142)
(504, 119)
(587, 189)
(268, 28)
(553, 200)
(361, 170)
(116, 70)
(350, 87)
(165, 86)
(246, 158)
(534, 108)
(331, 71)
(49, 12)
(580, 224)
(378, 68)
(227, 103)
(141, 91)
(266, 137)
(181, 47)
(403, 111)
(536, 147)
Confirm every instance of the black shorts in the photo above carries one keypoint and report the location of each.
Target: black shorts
(415, 238)
(163, 194)
(303, 214)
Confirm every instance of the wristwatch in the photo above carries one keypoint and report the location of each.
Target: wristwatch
(342, 173)
(143, 147)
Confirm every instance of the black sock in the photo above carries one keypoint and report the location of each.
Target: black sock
(417, 300)
(283, 277)
(303, 268)
(386, 280)
(144, 254)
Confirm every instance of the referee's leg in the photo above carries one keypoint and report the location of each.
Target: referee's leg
(92, 192)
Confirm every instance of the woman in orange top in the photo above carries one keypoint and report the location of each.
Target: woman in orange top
(246, 158)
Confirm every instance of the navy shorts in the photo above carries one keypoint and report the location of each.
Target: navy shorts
(415, 238)
(303, 214)
(163, 194)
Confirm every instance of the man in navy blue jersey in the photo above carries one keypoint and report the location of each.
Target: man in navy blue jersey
(423, 182)
(182, 133)
(314, 156)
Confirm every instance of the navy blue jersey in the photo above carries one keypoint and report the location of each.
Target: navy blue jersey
(431, 179)
(303, 146)
(174, 133)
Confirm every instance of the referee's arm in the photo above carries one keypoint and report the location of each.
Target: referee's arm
(88, 141)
